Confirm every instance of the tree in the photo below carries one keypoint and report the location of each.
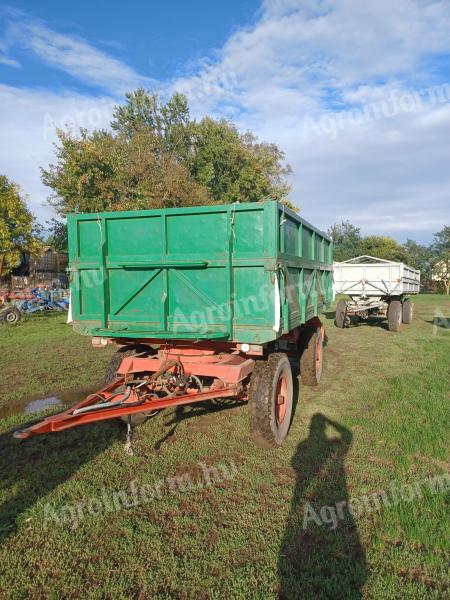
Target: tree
(156, 156)
(441, 257)
(383, 247)
(170, 123)
(346, 240)
(235, 167)
(100, 171)
(419, 257)
(57, 236)
(18, 233)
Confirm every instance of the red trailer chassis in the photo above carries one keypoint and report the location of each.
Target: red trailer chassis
(143, 380)
(170, 377)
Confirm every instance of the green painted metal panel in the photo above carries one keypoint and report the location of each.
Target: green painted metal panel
(243, 272)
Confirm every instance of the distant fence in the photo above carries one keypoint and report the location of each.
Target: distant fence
(49, 262)
(39, 279)
(46, 270)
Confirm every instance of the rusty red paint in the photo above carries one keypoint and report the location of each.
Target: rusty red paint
(68, 419)
(230, 368)
(220, 361)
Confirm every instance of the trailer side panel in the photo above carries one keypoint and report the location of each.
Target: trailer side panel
(241, 272)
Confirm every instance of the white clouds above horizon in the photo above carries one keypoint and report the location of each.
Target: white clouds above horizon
(5, 59)
(341, 87)
(11, 62)
(27, 125)
(76, 57)
(313, 76)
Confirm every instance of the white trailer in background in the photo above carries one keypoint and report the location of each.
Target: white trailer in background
(376, 287)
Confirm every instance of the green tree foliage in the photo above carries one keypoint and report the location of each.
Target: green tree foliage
(382, 246)
(170, 123)
(18, 233)
(156, 156)
(419, 257)
(348, 243)
(101, 171)
(441, 257)
(235, 167)
(346, 240)
(57, 235)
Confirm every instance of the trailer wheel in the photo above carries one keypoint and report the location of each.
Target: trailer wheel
(341, 310)
(311, 355)
(394, 315)
(270, 399)
(114, 363)
(111, 374)
(407, 312)
(11, 316)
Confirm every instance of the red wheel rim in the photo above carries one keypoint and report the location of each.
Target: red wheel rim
(281, 398)
(319, 355)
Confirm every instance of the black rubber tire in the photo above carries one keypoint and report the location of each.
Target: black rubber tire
(114, 363)
(341, 309)
(310, 344)
(394, 315)
(111, 374)
(266, 432)
(11, 316)
(407, 311)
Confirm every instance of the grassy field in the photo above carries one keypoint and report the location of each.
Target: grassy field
(266, 526)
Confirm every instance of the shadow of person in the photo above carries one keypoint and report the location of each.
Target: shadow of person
(31, 469)
(321, 555)
(443, 322)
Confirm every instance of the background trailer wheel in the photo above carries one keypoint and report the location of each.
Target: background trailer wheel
(311, 355)
(10, 316)
(394, 315)
(407, 311)
(341, 312)
(270, 399)
(377, 287)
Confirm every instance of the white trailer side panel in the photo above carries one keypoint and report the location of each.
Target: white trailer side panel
(375, 279)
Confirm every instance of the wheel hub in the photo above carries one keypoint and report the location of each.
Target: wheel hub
(280, 402)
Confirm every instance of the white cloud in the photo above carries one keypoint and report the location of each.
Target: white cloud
(76, 57)
(323, 61)
(4, 58)
(10, 62)
(349, 67)
(28, 116)
(27, 131)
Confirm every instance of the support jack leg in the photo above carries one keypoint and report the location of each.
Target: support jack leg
(128, 448)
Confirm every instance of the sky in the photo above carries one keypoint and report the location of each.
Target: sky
(357, 94)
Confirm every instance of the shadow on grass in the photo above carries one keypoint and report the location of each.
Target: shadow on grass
(31, 469)
(192, 411)
(374, 322)
(318, 560)
(442, 322)
(330, 314)
(357, 322)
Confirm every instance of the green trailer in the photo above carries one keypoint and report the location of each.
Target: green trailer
(204, 303)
